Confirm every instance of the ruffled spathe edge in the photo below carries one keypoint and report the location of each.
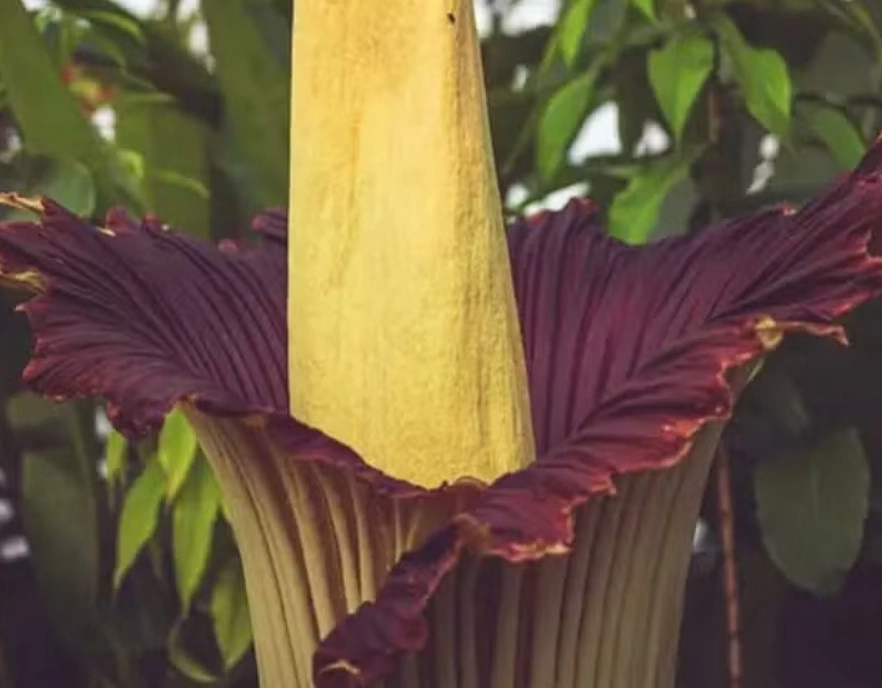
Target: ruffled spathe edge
(528, 515)
(522, 517)
(89, 340)
(647, 422)
(120, 313)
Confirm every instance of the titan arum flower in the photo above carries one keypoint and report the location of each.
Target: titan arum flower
(454, 455)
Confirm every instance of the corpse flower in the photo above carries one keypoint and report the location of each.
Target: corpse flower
(454, 456)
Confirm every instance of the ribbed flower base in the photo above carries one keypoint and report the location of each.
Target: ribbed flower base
(315, 545)
(606, 616)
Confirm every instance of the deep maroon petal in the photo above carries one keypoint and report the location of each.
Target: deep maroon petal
(596, 314)
(272, 224)
(630, 352)
(143, 316)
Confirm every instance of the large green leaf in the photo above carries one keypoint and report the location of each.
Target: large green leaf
(155, 56)
(184, 660)
(47, 114)
(195, 512)
(634, 211)
(775, 395)
(115, 454)
(229, 614)
(572, 28)
(174, 149)
(762, 75)
(65, 180)
(835, 129)
(176, 451)
(139, 517)
(560, 121)
(256, 90)
(647, 7)
(811, 504)
(852, 15)
(677, 71)
(62, 509)
(115, 22)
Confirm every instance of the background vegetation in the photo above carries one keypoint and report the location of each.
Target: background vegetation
(117, 564)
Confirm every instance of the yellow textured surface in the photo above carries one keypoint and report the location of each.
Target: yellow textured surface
(403, 334)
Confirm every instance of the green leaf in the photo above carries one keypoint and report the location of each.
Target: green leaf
(47, 114)
(854, 16)
(256, 91)
(572, 29)
(173, 147)
(835, 129)
(647, 7)
(118, 20)
(811, 506)
(61, 179)
(62, 513)
(634, 211)
(167, 64)
(677, 71)
(776, 395)
(184, 661)
(139, 518)
(116, 451)
(195, 511)
(762, 75)
(560, 121)
(176, 451)
(229, 614)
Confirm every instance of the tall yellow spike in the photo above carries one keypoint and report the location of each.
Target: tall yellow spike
(404, 338)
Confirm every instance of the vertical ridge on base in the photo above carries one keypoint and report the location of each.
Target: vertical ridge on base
(316, 544)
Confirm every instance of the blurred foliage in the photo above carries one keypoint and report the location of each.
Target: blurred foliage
(131, 575)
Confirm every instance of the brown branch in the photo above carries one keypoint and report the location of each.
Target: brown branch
(730, 573)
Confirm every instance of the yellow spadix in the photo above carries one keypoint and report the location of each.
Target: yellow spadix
(403, 334)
